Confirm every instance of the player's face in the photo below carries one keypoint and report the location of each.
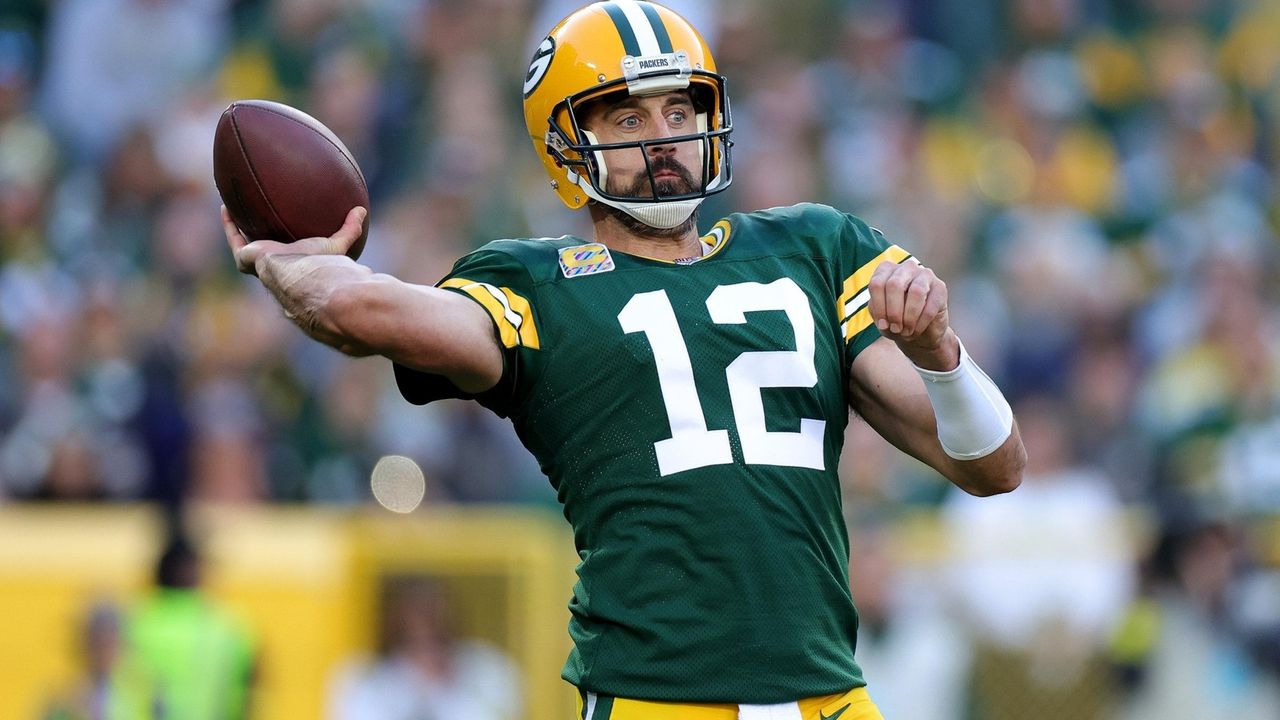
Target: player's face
(677, 168)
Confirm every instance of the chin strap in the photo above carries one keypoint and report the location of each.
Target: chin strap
(661, 215)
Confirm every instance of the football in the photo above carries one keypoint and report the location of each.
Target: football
(283, 175)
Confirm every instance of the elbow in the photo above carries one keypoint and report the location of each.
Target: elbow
(994, 484)
(998, 473)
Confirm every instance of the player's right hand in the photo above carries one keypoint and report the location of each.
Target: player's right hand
(909, 306)
(248, 254)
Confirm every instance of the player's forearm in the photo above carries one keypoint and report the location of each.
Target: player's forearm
(891, 396)
(349, 307)
(309, 289)
(910, 424)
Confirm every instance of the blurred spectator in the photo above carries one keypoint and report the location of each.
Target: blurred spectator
(1042, 577)
(905, 634)
(92, 698)
(183, 656)
(28, 153)
(1191, 652)
(1070, 572)
(99, 85)
(424, 672)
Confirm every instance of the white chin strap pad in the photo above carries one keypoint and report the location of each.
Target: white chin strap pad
(661, 215)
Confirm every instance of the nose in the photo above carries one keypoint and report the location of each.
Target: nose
(662, 148)
(662, 132)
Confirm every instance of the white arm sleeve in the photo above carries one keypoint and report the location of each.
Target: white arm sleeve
(973, 417)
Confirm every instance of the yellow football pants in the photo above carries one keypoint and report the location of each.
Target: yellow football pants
(853, 705)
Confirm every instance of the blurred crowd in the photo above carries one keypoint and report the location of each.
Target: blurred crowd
(1097, 180)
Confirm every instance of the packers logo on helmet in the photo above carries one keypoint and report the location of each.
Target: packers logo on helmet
(637, 48)
(538, 67)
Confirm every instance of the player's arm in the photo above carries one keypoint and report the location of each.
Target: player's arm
(915, 388)
(349, 307)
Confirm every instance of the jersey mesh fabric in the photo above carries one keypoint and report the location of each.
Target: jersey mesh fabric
(726, 581)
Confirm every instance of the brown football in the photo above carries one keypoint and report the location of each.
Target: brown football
(283, 175)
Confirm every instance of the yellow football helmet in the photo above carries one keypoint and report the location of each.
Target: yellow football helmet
(636, 47)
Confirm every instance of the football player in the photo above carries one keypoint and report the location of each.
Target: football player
(686, 395)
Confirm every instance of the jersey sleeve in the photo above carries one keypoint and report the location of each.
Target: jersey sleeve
(502, 286)
(863, 248)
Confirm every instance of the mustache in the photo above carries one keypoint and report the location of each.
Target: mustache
(667, 186)
(670, 164)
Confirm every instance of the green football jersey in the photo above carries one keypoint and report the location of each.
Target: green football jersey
(690, 417)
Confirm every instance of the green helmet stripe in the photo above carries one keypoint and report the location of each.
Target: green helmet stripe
(629, 43)
(660, 30)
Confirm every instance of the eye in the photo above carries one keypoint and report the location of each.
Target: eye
(678, 117)
(629, 121)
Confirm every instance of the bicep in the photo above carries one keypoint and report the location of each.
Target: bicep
(888, 393)
(427, 329)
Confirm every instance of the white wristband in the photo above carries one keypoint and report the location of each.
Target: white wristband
(973, 417)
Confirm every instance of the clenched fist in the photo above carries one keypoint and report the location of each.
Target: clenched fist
(909, 306)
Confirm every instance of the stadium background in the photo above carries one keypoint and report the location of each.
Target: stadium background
(1097, 181)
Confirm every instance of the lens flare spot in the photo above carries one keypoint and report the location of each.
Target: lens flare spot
(398, 483)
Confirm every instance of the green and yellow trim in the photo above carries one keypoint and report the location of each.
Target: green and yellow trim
(715, 239)
(853, 305)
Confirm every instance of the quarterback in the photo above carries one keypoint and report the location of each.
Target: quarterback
(685, 394)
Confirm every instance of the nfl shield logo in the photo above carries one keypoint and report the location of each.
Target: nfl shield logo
(585, 260)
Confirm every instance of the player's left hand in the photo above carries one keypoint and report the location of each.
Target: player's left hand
(909, 306)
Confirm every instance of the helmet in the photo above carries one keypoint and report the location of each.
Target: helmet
(634, 47)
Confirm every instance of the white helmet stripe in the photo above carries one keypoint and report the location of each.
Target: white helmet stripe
(645, 36)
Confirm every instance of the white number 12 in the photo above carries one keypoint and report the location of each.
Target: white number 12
(691, 444)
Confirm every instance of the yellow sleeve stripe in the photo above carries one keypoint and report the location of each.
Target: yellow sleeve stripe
(511, 313)
(520, 306)
(860, 321)
(854, 303)
(859, 280)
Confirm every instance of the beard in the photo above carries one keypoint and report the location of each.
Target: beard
(641, 186)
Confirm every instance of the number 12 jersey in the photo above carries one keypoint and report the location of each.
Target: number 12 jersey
(690, 417)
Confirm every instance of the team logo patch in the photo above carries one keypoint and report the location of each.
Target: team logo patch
(585, 260)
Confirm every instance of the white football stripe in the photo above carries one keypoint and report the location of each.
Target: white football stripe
(640, 26)
(856, 303)
(512, 316)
